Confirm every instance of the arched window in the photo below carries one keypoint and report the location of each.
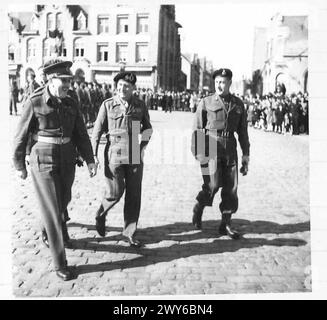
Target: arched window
(48, 48)
(59, 22)
(51, 21)
(63, 49)
(31, 49)
(79, 48)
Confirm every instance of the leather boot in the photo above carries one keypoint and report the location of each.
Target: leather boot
(197, 216)
(65, 235)
(100, 225)
(225, 227)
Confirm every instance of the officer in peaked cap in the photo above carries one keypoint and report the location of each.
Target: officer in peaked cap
(58, 68)
(56, 125)
(122, 117)
(217, 118)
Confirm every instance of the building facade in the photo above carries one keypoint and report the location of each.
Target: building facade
(101, 41)
(285, 57)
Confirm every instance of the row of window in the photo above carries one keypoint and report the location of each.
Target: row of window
(55, 21)
(50, 47)
(142, 25)
(141, 52)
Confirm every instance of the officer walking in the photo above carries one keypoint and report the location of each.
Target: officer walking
(54, 120)
(124, 118)
(217, 117)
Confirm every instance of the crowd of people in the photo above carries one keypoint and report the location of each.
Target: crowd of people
(280, 113)
(274, 112)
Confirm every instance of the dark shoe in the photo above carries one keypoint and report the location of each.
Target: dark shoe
(64, 274)
(100, 225)
(132, 241)
(226, 230)
(44, 238)
(197, 216)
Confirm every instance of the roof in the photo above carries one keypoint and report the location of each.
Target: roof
(75, 10)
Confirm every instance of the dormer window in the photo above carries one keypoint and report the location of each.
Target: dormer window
(81, 21)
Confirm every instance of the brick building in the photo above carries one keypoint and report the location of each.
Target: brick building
(100, 40)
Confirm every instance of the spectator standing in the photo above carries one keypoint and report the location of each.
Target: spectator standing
(13, 94)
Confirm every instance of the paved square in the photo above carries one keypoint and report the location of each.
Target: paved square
(273, 215)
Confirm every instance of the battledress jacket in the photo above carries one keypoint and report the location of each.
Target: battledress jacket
(43, 115)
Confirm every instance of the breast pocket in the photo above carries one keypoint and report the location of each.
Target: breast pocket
(216, 119)
(115, 120)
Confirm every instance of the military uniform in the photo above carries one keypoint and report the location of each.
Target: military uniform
(58, 129)
(217, 119)
(123, 166)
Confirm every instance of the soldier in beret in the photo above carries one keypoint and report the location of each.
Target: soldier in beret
(55, 122)
(123, 118)
(217, 118)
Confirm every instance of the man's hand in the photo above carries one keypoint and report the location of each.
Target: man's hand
(96, 161)
(79, 161)
(92, 167)
(22, 174)
(245, 165)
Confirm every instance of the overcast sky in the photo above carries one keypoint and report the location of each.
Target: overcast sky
(224, 32)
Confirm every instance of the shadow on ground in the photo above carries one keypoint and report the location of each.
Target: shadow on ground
(176, 240)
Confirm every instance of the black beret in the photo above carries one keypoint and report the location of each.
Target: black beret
(126, 76)
(223, 73)
(58, 68)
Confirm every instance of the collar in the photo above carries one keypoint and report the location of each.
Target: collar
(226, 98)
(124, 102)
(46, 95)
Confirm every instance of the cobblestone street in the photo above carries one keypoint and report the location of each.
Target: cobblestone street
(273, 215)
